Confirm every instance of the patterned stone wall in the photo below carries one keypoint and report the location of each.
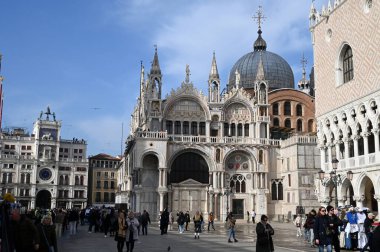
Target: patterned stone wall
(350, 22)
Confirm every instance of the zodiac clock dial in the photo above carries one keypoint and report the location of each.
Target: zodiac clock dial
(45, 174)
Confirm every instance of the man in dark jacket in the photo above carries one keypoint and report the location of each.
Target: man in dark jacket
(187, 220)
(144, 222)
(368, 229)
(264, 231)
(25, 234)
(164, 222)
(334, 223)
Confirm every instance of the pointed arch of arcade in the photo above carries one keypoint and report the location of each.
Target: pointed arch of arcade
(189, 164)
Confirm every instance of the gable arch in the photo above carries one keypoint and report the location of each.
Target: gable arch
(150, 151)
(173, 101)
(251, 159)
(237, 101)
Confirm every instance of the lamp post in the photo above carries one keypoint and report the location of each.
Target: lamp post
(335, 179)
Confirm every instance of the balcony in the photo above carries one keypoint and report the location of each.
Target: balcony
(263, 119)
(371, 159)
(204, 139)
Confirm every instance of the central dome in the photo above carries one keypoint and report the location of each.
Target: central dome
(276, 70)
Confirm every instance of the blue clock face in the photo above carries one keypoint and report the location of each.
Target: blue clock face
(45, 174)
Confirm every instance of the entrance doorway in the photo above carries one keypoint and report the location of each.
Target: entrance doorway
(238, 208)
(43, 199)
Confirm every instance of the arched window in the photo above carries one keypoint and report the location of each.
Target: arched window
(82, 180)
(310, 126)
(22, 178)
(27, 178)
(185, 128)
(274, 190)
(217, 155)
(237, 182)
(348, 66)
(288, 123)
(169, 127)
(299, 110)
(299, 125)
(276, 122)
(177, 127)
(280, 194)
(287, 108)
(61, 180)
(275, 109)
(194, 128)
(76, 180)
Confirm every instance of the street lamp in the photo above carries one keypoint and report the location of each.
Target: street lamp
(335, 179)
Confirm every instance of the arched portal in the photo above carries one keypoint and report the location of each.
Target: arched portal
(189, 179)
(189, 165)
(43, 199)
(149, 180)
(367, 192)
(347, 194)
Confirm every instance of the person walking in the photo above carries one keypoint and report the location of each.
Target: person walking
(181, 222)
(121, 231)
(46, 232)
(322, 232)
(197, 224)
(59, 220)
(24, 233)
(164, 221)
(211, 221)
(368, 230)
(253, 215)
(132, 233)
(309, 225)
(145, 219)
(264, 232)
(231, 221)
(298, 223)
(73, 219)
(187, 220)
(334, 224)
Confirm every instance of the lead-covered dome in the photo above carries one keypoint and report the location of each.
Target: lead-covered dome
(276, 70)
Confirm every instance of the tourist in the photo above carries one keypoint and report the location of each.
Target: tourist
(231, 221)
(24, 233)
(132, 232)
(187, 220)
(46, 232)
(368, 230)
(144, 222)
(253, 215)
(197, 224)
(59, 220)
(210, 221)
(164, 221)
(264, 232)
(121, 231)
(334, 224)
(322, 232)
(181, 222)
(298, 223)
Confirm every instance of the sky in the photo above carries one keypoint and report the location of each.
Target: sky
(82, 57)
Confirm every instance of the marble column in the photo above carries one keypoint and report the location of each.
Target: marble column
(161, 201)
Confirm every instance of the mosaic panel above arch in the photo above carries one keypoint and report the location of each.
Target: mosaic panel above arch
(237, 161)
(237, 112)
(186, 110)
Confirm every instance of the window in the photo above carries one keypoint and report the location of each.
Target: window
(287, 108)
(202, 128)
(106, 174)
(112, 197)
(299, 125)
(288, 123)
(275, 109)
(98, 184)
(299, 110)
(112, 184)
(97, 197)
(194, 128)
(98, 174)
(177, 127)
(105, 185)
(112, 175)
(106, 198)
(289, 180)
(238, 183)
(348, 67)
(246, 129)
(185, 128)
(276, 122)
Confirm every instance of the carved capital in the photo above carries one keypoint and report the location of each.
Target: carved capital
(375, 131)
(358, 198)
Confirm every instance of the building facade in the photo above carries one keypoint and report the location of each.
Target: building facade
(41, 169)
(214, 153)
(346, 52)
(102, 180)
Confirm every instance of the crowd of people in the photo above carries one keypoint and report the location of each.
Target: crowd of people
(343, 228)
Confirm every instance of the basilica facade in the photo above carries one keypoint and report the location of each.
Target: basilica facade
(346, 51)
(223, 152)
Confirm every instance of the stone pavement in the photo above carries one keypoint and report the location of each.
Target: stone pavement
(285, 240)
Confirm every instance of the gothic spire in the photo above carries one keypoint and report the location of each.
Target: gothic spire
(155, 69)
(260, 70)
(214, 74)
